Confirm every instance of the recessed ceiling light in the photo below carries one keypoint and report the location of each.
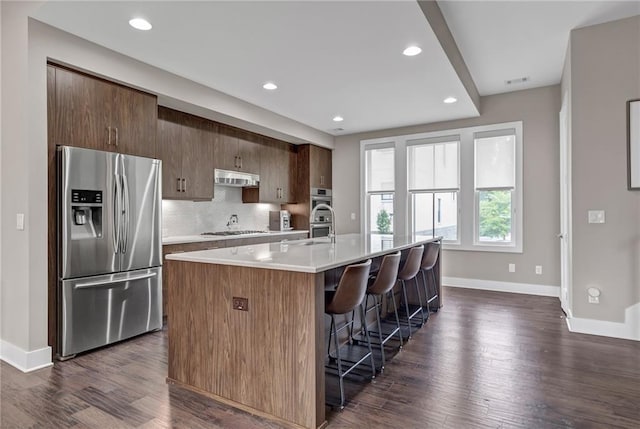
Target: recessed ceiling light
(270, 86)
(450, 100)
(140, 24)
(411, 51)
(338, 118)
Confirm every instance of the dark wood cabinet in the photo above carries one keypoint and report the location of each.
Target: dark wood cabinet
(96, 114)
(185, 146)
(277, 170)
(313, 171)
(320, 167)
(237, 150)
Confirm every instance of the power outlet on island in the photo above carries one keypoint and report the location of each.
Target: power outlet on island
(241, 304)
(538, 269)
(512, 268)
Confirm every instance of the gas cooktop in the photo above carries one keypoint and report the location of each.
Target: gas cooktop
(235, 232)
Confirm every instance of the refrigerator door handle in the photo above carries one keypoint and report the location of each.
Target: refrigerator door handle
(113, 281)
(125, 213)
(116, 213)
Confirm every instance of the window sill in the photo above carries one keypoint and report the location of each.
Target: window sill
(482, 248)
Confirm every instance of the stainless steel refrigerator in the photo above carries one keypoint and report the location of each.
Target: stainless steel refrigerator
(109, 248)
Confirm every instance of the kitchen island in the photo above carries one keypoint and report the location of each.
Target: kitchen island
(246, 324)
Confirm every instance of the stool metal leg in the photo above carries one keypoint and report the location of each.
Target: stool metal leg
(406, 306)
(395, 311)
(419, 298)
(366, 333)
(337, 346)
(377, 309)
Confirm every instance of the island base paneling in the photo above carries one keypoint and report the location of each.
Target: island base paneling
(267, 359)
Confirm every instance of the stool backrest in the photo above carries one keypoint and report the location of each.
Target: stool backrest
(351, 289)
(430, 256)
(387, 275)
(412, 264)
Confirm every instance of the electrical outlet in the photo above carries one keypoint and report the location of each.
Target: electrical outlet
(512, 268)
(595, 216)
(353, 216)
(538, 269)
(241, 304)
(594, 300)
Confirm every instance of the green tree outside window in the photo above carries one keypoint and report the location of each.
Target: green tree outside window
(495, 214)
(384, 222)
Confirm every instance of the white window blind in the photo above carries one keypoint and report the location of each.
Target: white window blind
(495, 155)
(434, 164)
(380, 169)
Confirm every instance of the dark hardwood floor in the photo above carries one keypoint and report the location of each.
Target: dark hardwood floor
(487, 359)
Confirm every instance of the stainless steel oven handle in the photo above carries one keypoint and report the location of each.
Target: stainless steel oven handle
(114, 281)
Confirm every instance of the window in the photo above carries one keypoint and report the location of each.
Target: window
(464, 185)
(495, 181)
(433, 178)
(380, 187)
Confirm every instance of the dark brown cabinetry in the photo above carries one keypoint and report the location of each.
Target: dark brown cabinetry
(96, 114)
(237, 150)
(185, 146)
(319, 167)
(313, 171)
(277, 166)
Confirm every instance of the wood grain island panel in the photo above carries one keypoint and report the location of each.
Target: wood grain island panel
(267, 357)
(263, 360)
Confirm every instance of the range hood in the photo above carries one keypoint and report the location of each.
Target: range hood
(236, 178)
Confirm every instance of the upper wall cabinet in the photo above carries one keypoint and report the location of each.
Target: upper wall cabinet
(319, 167)
(185, 146)
(96, 114)
(237, 150)
(276, 166)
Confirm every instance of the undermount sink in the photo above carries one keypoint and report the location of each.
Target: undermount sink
(234, 232)
(312, 242)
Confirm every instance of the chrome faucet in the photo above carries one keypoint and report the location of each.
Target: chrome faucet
(332, 231)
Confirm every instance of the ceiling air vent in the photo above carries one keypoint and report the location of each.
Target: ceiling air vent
(337, 130)
(517, 81)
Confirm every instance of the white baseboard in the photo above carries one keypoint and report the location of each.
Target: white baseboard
(525, 288)
(23, 360)
(629, 330)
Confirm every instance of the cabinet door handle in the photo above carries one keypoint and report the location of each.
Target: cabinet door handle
(235, 161)
(108, 136)
(184, 185)
(240, 158)
(116, 128)
(178, 185)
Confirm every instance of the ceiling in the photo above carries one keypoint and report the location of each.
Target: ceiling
(505, 40)
(342, 58)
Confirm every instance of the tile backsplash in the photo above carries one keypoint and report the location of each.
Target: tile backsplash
(196, 217)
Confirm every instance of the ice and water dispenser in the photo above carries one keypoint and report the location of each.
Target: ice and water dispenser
(86, 212)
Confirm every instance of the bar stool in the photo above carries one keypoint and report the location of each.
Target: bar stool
(381, 287)
(347, 296)
(428, 264)
(408, 272)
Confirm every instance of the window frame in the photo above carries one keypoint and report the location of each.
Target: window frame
(468, 208)
(365, 200)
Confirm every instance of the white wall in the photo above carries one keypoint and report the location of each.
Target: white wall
(26, 47)
(538, 109)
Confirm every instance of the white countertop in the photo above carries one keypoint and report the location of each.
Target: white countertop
(307, 256)
(182, 239)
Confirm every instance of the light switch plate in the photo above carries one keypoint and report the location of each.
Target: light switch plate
(20, 221)
(596, 216)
